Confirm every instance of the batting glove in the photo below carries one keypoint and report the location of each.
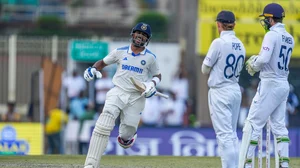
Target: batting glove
(90, 73)
(150, 89)
(249, 64)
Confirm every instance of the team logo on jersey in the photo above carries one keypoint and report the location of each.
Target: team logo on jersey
(125, 58)
(144, 27)
(143, 62)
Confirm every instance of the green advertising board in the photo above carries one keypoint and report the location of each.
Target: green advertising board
(87, 50)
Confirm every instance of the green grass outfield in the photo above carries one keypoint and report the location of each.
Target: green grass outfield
(70, 161)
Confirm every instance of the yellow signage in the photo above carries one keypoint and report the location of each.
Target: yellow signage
(209, 9)
(21, 139)
(250, 34)
(248, 28)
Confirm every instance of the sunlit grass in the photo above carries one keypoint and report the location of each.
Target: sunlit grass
(74, 161)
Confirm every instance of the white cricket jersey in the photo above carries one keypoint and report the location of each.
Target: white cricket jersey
(226, 57)
(141, 67)
(275, 54)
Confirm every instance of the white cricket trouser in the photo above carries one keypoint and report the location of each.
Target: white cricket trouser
(130, 112)
(118, 102)
(269, 100)
(224, 105)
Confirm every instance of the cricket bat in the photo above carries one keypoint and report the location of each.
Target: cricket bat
(141, 87)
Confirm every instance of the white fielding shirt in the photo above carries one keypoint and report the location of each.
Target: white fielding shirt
(226, 57)
(141, 67)
(275, 53)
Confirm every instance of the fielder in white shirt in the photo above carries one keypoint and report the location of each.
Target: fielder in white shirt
(124, 99)
(224, 62)
(74, 85)
(270, 99)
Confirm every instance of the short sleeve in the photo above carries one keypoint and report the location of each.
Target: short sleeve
(154, 68)
(212, 54)
(111, 58)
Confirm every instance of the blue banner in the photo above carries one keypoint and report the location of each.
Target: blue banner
(184, 142)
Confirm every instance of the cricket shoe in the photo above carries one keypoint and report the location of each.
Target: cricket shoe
(284, 165)
(247, 165)
(126, 144)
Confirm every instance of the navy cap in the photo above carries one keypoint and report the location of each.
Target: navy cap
(226, 17)
(273, 10)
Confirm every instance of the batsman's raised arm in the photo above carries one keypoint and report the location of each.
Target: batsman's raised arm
(99, 65)
(93, 71)
(90, 73)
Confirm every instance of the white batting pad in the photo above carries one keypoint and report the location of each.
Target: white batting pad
(99, 139)
(98, 144)
(247, 131)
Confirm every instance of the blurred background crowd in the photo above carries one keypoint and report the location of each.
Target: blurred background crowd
(41, 81)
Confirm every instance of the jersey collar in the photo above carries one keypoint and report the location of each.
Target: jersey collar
(277, 26)
(133, 54)
(230, 32)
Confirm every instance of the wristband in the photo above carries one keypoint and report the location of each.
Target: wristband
(156, 80)
(95, 68)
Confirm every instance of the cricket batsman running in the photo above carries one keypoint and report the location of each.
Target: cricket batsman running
(270, 100)
(134, 61)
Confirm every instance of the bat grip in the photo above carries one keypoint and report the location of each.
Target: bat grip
(161, 95)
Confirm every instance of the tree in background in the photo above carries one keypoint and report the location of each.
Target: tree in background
(157, 21)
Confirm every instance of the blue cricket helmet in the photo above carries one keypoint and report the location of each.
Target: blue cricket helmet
(142, 27)
(273, 10)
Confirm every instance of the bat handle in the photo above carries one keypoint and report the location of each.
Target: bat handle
(162, 95)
